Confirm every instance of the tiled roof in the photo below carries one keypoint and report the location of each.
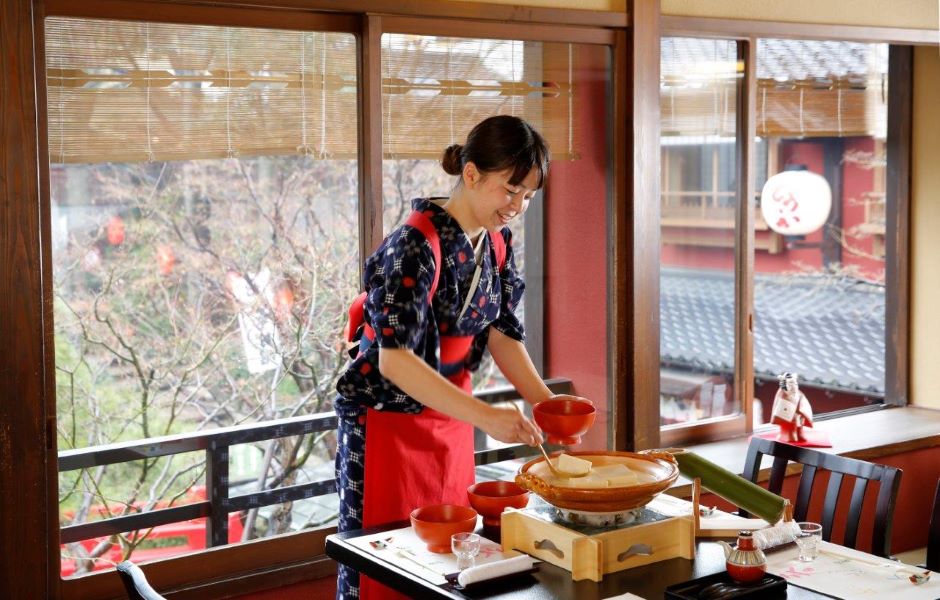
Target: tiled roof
(829, 330)
(783, 60)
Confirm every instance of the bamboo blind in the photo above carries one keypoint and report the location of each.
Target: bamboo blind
(129, 91)
(133, 91)
(436, 89)
(804, 88)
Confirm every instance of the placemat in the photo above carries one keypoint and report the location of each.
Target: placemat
(405, 550)
(851, 574)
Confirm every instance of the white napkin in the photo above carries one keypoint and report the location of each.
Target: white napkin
(627, 596)
(497, 568)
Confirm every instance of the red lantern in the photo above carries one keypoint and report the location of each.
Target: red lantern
(115, 230)
(165, 259)
(283, 301)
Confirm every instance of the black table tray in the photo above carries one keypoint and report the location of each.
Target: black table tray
(768, 588)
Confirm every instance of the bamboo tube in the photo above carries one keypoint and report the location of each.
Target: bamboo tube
(731, 487)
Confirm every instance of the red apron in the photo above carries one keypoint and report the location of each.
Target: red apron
(416, 460)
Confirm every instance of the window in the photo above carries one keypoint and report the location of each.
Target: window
(206, 219)
(437, 88)
(701, 81)
(205, 242)
(819, 298)
(819, 306)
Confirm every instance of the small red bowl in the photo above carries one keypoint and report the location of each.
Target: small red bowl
(564, 420)
(491, 498)
(436, 523)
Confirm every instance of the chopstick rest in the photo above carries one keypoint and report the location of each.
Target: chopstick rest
(507, 566)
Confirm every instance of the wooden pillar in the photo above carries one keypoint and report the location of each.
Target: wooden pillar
(635, 268)
(28, 515)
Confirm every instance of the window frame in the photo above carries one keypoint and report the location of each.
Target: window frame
(897, 244)
(299, 556)
(27, 416)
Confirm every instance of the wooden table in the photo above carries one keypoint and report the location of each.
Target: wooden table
(549, 582)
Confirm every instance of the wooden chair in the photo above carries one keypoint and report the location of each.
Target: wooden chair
(933, 535)
(889, 479)
(136, 583)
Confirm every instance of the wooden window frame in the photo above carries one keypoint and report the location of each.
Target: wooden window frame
(898, 195)
(32, 512)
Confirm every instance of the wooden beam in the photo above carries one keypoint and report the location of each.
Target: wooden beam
(745, 151)
(744, 29)
(482, 11)
(203, 13)
(370, 138)
(485, 29)
(642, 224)
(28, 511)
(619, 316)
(897, 224)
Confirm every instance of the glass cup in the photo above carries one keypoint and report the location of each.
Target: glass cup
(808, 540)
(465, 546)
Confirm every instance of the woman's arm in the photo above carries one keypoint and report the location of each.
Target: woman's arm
(513, 360)
(414, 377)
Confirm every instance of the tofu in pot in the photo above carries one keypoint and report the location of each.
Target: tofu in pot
(573, 465)
(617, 475)
(586, 482)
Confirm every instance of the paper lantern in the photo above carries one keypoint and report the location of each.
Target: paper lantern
(796, 202)
(115, 230)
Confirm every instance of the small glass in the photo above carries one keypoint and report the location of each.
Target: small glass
(465, 546)
(808, 541)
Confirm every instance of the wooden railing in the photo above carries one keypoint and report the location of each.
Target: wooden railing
(216, 443)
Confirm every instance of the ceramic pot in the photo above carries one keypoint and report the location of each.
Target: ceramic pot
(745, 562)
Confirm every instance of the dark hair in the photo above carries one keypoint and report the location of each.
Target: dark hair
(499, 143)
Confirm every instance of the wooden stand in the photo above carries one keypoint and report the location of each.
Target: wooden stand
(593, 556)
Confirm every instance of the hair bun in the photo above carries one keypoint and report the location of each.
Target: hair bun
(452, 161)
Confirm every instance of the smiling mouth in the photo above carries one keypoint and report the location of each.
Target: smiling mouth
(505, 218)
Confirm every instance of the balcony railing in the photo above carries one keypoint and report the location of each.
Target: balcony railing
(216, 443)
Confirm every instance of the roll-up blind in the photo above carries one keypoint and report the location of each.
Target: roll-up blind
(128, 91)
(435, 89)
(804, 88)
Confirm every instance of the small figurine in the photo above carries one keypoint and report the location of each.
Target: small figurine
(791, 410)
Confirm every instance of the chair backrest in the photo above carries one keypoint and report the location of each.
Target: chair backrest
(933, 537)
(136, 583)
(889, 479)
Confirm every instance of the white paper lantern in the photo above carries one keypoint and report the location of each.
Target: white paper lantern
(796, 202)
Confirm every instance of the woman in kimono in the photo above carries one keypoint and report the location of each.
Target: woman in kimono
(405, 407)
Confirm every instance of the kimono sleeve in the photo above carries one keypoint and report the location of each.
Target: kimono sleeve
(512, 287)
(398, 289)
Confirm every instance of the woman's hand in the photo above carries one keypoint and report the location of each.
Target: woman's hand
(507, 424)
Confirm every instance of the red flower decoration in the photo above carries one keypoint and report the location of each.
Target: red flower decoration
(408, 282)
(482, 301)
(365, 368)
(461, 256)
(387, 331)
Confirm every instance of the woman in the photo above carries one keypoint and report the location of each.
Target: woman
(405, 405)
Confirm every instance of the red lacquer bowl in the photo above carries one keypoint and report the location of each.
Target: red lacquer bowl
(491, 498)
(564, 420)
(436, 523)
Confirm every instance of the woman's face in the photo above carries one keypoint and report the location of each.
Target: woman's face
(494, 201)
